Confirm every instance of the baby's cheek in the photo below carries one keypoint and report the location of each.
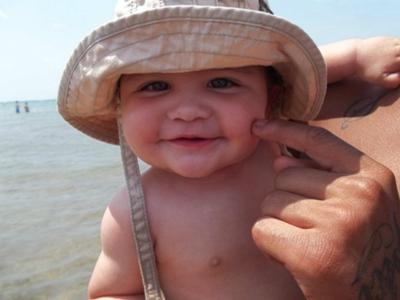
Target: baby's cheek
(245, 134)
(247, 146)
(253, 142)
(134, 132)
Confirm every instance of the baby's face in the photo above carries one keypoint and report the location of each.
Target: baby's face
(193, 123)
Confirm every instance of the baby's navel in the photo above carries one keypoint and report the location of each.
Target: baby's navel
(215, 262)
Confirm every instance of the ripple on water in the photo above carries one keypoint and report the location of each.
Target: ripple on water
(54, 186)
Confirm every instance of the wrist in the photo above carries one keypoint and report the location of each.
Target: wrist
(357, 57)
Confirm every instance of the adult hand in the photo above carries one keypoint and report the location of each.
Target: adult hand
(333, 219)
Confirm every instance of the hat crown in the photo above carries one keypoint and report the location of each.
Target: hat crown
(128, 7)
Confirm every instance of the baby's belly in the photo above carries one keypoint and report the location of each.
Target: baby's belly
(206, 252)
(220, 279)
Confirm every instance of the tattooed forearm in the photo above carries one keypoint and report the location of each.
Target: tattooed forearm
(358, 109)
(382, 238)
(382, 252)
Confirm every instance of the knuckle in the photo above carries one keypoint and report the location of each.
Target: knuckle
(344, 215)
(387, 175)
(367, 188)
(345, 219)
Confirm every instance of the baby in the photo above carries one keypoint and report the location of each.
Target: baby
(186, 83)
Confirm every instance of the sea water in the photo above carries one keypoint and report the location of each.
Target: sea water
(55, 184)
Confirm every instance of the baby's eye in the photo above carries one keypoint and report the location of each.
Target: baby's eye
(221, 83)
(155, 86)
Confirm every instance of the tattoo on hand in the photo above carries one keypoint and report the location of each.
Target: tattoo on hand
(357, 110)
(383, 252)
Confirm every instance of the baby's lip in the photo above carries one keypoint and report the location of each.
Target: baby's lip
(192, 136)
(192, 140)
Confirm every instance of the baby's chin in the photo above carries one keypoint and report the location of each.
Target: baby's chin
(192, 173)
(204, 171)
(193, 167)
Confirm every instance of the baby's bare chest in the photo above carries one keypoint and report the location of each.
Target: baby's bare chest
(208, 237)
(209, 249)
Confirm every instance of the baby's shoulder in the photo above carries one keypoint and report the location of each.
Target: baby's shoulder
(118, 210)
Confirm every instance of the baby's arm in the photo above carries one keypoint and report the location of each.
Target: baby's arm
(116, 274)
(376, 60)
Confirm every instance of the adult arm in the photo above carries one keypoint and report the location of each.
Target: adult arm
(366, 117)
(375, 60)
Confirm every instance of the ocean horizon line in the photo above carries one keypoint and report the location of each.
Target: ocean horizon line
(27, 100)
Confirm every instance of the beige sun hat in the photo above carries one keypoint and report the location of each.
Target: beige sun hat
(187, 35)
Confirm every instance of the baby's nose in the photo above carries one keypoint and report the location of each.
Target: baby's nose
(189, 110)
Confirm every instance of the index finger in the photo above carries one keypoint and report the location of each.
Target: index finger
(319, 144)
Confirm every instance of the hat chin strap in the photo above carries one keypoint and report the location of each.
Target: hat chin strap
(140, 223)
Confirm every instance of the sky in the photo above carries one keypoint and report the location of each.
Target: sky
(38, 36)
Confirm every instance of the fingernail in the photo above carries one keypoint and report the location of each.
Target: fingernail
(258, 124)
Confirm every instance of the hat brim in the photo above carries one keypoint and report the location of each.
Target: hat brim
(182, 39)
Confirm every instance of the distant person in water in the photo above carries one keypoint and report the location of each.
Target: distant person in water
(17, 107)
(26, 107)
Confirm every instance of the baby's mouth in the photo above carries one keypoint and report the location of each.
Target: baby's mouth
(193, 141)
(190, 139)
